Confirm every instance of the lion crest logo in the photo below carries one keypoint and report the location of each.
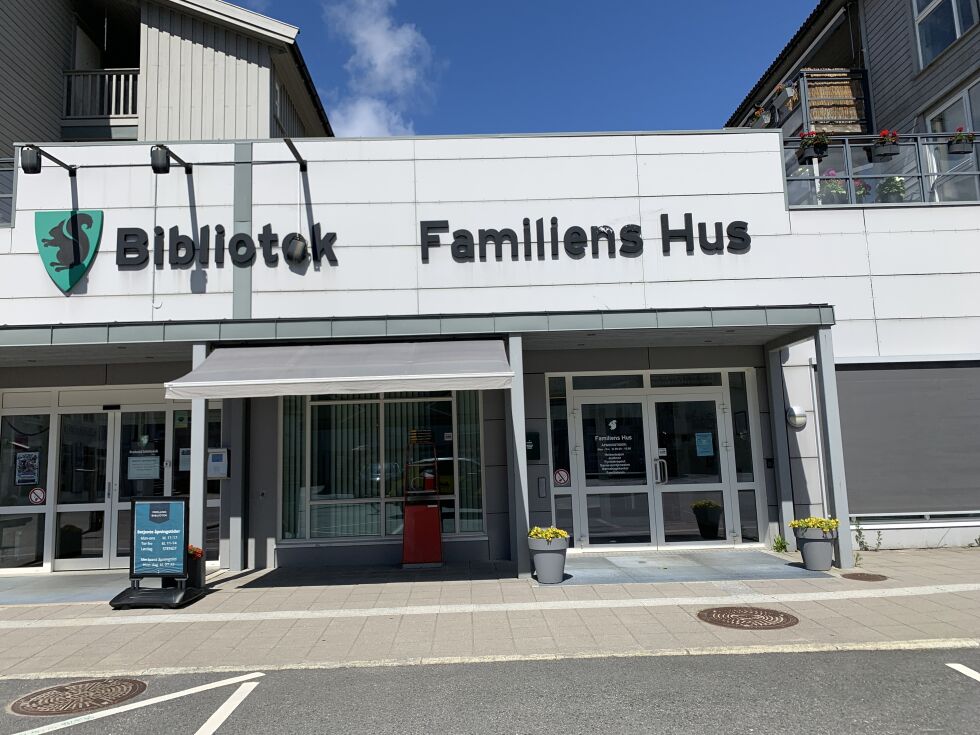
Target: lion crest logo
(67, 242)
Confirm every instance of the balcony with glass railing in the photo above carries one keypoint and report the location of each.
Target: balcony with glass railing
(854, 171)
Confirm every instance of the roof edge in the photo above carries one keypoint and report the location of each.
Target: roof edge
(247, 20)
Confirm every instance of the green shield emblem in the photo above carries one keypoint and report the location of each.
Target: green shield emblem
(67, 241)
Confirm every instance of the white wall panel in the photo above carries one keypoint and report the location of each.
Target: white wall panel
(356, 225)
(333, 303)
(722, 173)
(188, 307)
(905, 337)
(336, 149)
(926, 296)
(826, 222)
(922, 219)
(523, 178)
(551, 146)
(375, 269)
(540, 298)
(721, 142)
(850, 297)
(855, 338)
(916, 252)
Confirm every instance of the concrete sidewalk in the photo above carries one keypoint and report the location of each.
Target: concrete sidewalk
(260, 621)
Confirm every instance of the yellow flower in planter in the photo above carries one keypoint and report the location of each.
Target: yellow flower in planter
(827, 525)
(548, 534)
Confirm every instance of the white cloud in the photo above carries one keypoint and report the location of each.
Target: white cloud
(388, 71)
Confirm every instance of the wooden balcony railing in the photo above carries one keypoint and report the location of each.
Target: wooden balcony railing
(100, 93)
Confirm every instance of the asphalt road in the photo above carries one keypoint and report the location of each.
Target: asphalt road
(865, 692)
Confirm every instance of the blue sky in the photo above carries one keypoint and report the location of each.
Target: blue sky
(430, 67)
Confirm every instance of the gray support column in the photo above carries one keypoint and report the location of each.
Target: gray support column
(517, 459)
(832, 449)
(199, 446)
(234, 491)
(780, 444)
(241, 278)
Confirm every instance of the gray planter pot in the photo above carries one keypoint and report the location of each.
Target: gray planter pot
(960, 148)
(816, 547)
(708, 521)
(549, 559)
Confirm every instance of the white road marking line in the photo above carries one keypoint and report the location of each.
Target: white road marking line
(929, 644)
(733, 599)
(54, 726)
(965, 670)
(224, 711)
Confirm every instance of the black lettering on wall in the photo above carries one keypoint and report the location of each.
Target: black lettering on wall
(241, 248)
(554, 238)
(429, 237)
(708, 246)
(268, 240)
(132, 252)
(539, 227)
(603, 231)
(323, 245)
(632, 239)
(182, 249)
(219, 245)
(158, 246)
(204, 246)
(462, 248)
(686, 234)
(497, 237)
(574, 242)
(738, 237)
(527, 239)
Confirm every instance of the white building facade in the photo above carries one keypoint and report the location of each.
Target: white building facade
(633, 336)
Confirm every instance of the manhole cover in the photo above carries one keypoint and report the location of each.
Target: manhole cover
(79, 696)
(747, 618)
(865, 577)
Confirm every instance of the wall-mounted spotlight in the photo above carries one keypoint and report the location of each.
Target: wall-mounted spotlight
(30, 161)
(796, 417)
(160, 156)
(299, 159)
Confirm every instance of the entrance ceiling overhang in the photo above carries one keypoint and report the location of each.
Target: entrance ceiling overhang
(393, 367)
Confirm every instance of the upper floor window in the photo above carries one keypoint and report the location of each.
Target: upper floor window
(940, 22)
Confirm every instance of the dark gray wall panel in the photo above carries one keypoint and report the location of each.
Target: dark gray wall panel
(262, 481)
(911, 437)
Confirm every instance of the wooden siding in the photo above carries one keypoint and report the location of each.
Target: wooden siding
(199, 80)
(288, 123)
(31, 84)
(900, 93)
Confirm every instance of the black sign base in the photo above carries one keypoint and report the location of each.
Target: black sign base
(165, 597)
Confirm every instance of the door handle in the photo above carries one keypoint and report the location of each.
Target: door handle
(662, 476)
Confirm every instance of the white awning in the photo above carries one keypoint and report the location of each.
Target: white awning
(253, 372)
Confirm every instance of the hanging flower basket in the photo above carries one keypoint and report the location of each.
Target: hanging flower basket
(813, 147)
(886, 146)
(961, 143)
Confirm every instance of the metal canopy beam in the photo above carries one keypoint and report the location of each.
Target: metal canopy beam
(801, 317)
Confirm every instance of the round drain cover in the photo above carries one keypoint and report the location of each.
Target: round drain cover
(865, 577)
(79, 696)
(747, 618)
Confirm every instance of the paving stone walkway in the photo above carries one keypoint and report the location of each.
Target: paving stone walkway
(262, 620)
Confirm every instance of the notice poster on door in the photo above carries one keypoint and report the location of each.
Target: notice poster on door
(26, 468)
(704, 442)
(159, 538)
(614, 451)
(143, 464)
(184, 459)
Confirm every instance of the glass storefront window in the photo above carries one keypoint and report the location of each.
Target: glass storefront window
(23, 457)
(620, 518)
(80, 535)
(294, 495)
(748, 515)
(614, 445)
(684, 380)
(606, 382)
(345, 452)
(180, 451)
(21, 540)
(365, 455)
(564, 518)
(688, 430)
(562, 476)
(741, 434)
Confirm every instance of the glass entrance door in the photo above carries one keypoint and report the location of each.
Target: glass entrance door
(614, 470)
(139, 472)
(105, 459)
(692, 488)
(84, 490)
